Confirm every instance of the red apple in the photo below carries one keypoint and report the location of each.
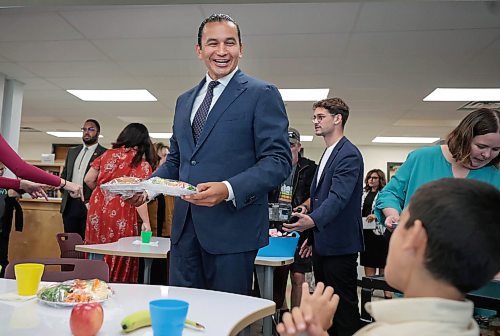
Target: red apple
(86, 319)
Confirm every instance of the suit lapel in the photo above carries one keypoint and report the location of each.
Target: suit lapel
(235, 88)
(72, 155)
(186, 114)
(331, 158)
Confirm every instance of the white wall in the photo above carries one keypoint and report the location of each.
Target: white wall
(33, 151)
(373, 156)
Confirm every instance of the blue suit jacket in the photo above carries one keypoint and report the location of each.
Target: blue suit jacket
(245, 142)
(335, 203)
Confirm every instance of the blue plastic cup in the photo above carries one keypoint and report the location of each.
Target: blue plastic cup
(168, 316)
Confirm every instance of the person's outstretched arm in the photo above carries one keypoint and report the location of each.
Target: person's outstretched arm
(23, 169)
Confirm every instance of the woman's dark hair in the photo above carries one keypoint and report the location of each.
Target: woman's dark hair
(136, 135)
(479, 122)
(381, 179)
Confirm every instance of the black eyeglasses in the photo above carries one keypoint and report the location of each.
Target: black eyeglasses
(373, 178)
(90, 129)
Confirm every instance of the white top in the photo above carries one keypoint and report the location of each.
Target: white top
(420, 316)
(324, 160)
(220, 313)
(125, 247)
(81, 162)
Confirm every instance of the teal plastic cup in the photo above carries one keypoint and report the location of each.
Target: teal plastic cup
(168, 316)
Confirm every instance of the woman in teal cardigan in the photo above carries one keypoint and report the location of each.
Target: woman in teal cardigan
(471, 151)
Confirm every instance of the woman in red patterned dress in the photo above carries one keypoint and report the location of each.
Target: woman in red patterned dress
(109, 218)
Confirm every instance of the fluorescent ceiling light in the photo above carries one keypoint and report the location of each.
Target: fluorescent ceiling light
(67, 134)
(160, 135)
(405, 140)
(113, 95)
(451, 94)
(306, 138)
(304, 94)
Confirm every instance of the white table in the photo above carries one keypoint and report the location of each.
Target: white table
(124, 247)
(220, 313)
(264, 267)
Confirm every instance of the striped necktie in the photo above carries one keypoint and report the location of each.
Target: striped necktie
(201, 115)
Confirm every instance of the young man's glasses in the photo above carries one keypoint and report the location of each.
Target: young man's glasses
(318, 118)
(90, 129)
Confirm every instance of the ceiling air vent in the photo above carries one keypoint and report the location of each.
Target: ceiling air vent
(475, 105)
(29, 130)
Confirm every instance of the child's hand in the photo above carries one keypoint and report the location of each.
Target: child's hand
(315, 314)
(294, 325)
(319, 306)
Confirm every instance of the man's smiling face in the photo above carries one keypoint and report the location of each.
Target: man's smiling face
(220, 48)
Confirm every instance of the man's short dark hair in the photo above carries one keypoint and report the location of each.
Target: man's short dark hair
(334, 106)
(96, 123)
(461, 217)
(217, 18)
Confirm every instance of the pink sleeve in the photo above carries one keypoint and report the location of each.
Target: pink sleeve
(9, 183)
(25, 170)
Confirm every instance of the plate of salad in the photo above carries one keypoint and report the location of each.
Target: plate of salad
(73, 292)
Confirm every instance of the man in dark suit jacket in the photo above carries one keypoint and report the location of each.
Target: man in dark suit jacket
(335, 213)
(241, 153)
(78, 160)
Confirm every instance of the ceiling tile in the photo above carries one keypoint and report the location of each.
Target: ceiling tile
(16, 26)
(136, 21)
(50, 51)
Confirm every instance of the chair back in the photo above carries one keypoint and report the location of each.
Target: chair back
(84, 269)
(67, 243)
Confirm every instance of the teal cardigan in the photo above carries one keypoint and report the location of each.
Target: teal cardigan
(421, 166)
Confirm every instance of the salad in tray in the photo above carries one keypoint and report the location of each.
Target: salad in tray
(127, 186)
(75, 291)
(169, 187)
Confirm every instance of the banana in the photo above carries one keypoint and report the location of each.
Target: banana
(136, 320)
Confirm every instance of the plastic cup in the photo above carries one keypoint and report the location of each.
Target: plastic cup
(28, 278)
(168, 316)
(146, 236)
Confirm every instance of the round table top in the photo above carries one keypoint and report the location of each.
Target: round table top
(221, 313)
(125, 247)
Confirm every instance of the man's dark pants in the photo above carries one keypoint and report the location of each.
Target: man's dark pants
(340, 272)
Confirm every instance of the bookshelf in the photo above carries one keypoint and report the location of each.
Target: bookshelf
(55, 168)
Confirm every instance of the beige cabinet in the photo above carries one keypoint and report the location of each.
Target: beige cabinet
(42, 221)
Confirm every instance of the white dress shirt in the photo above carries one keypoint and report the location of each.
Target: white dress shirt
(81, 162)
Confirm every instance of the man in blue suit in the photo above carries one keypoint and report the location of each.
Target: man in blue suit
(235, 156)
(335, 213)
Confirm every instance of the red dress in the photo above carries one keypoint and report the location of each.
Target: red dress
(109, 218)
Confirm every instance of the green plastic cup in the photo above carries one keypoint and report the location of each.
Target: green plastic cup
(146, 237)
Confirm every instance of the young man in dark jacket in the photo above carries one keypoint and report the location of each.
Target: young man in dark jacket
(295, 190)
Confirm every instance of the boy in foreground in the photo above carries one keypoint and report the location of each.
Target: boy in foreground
(445, 246)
